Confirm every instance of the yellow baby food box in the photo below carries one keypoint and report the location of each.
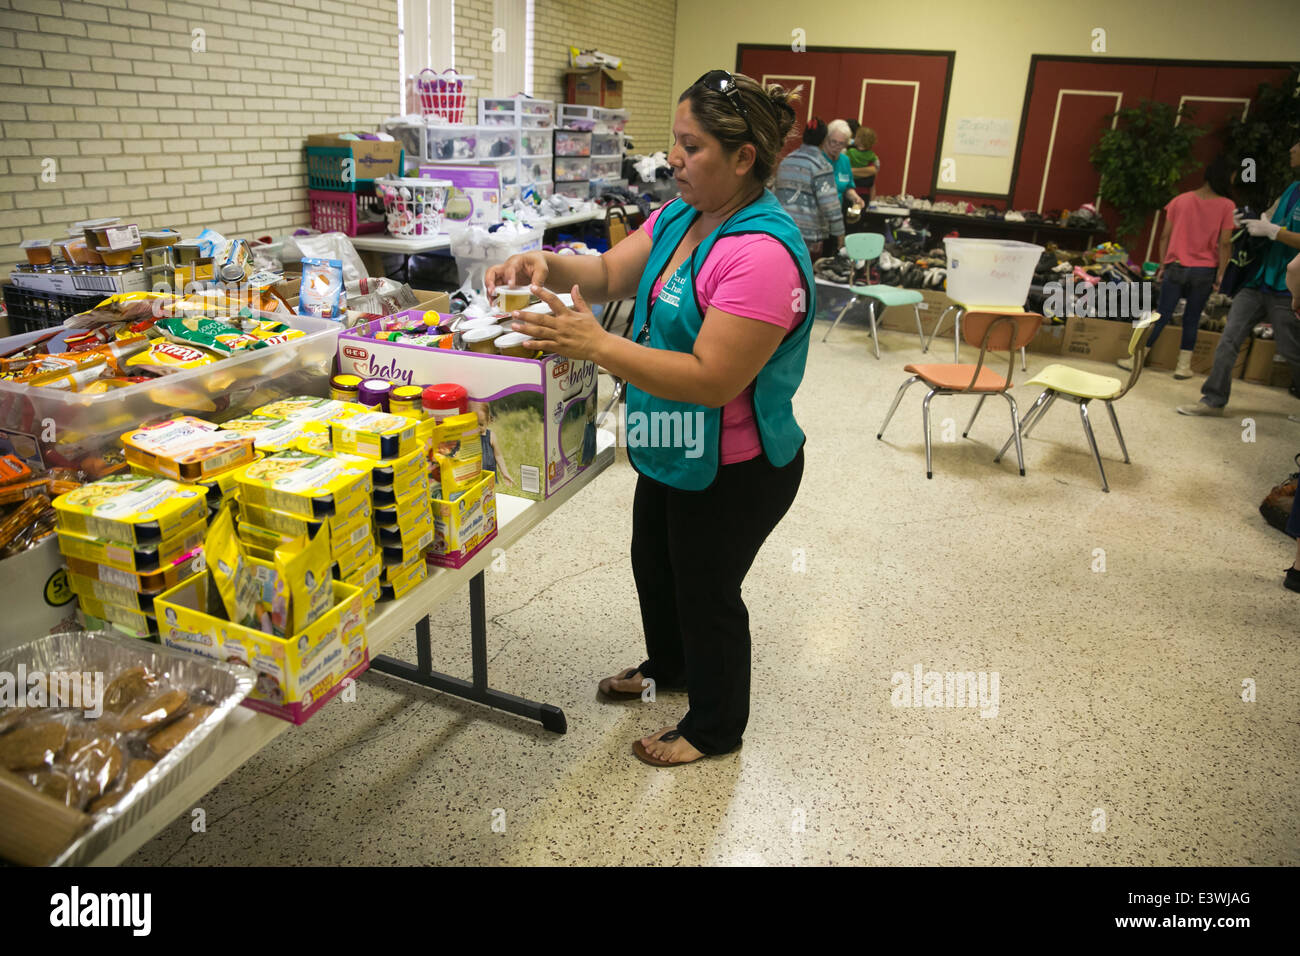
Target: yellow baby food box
(106, 593)
(186, 448)
(374, 435)
(296, 675)
(347, 563)
(271, 435)
(134, 509)
(369, 573)
(398, 581)
(303, 484)
(295, 525)
(140, 559)
(463, 526)
(309, 408)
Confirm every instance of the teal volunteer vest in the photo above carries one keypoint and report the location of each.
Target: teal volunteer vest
(658, 428)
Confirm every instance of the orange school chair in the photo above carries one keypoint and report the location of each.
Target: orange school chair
(1083, 387)
(991, 332)
(961, 308)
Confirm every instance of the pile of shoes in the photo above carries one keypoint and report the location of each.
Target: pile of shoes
(837, 268)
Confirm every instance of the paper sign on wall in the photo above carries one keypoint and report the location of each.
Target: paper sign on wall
(979, 136)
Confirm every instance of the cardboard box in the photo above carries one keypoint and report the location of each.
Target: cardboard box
(132, 280)
(475, 198)
(462, 527)
(39, 599)
(296, 675)
(539, 415)
(596, 87)
(1048, 340)
(1100, 340)
(1265, 367)
(1165, 354)
(373, 159)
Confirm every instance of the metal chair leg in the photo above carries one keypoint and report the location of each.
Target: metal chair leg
(956, 335)
(1023, 366)
(920, 334)
(1035, 412)
(875, 339)
(925, 424)
(847, 305)
(1092, 443)
(898, 396)
(974, 414)
(925, 346)
(1015, 432)
(619, 385)
(1118, 434)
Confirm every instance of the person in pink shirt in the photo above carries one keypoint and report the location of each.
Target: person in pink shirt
(1194, 251)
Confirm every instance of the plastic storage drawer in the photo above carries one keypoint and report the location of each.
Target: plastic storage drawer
(535, 142)
(447, 144)
(509, 171)
(580, 189)
(570, 142)
(536, 170)
(608, 168)
(607, 144)
(572, 168)
(497, 143)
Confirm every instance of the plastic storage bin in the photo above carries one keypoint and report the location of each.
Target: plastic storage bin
(570, 142)
(592, 117)
(535, 142)
(581, 189)
(515, 111)
(87, 426)
(537, 169)
(572, 168)
(607, 144)
(30, 310)
(990, 271)
(497, 143)
(337, 212)
(473, 260)
(606, 168)
(448, 144)
(509, 171)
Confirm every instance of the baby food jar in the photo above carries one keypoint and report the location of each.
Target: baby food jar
(40, 252)
(481, 339)
(116, 257)
(344, 388)
(159, 238)
(407, 401)
(445, 400)
(374, 392)
(512, 343)
(513, 298)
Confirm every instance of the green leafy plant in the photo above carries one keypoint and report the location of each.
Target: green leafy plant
(1264, 138)
(1142, 160)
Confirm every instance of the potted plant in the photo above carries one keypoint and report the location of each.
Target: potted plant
(1264, 138)
(1142, 160)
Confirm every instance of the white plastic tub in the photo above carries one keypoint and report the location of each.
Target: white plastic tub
(990, 271)
(72, 428)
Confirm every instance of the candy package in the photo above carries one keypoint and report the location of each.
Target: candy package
(212, 334)
(321, 293)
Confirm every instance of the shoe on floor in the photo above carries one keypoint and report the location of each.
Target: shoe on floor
(1200, 408)
(1125, 363)
(1292, 580)
(1184, 367)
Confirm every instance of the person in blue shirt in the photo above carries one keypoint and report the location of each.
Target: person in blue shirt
(1263, 297)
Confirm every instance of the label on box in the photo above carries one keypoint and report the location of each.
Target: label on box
(123, 237)
(132, 280)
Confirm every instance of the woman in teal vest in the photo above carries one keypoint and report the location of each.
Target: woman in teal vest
(724, 295)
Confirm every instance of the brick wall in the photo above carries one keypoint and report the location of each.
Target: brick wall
(138, 124)
(639, 31)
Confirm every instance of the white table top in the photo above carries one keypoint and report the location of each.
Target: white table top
(417, 244)
(246, 732)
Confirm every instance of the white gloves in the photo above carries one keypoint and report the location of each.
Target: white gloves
(1262, 227)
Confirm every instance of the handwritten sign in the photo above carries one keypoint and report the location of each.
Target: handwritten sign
(979, 136)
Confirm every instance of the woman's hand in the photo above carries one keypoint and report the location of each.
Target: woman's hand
(527, 268)
(572, 332)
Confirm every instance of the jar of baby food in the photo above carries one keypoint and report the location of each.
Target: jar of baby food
(445, 400)
(512, 343)
(481, 339)
(407, 401)
(374, 393)
(344, 388)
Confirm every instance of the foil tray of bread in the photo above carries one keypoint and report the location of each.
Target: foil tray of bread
(95, 730)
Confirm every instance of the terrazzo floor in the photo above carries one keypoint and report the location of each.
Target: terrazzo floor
(1122, 628)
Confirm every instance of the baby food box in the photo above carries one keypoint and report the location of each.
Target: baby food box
(186, 448)
(303, 484)
(397, 581)
(462, 527)
(296, 675)
(132, 509)
(348, 563)
(374, 435)
(538, 415)
(142, 559)
(269, 434)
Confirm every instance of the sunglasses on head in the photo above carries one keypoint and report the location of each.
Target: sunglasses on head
(720, 81)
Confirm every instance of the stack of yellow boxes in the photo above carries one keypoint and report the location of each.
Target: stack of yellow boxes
(402, 516)
(126, 538)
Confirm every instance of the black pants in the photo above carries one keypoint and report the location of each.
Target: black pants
(691, 551)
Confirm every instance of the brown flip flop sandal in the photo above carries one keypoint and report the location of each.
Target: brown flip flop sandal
(644, 755)
(618, 694)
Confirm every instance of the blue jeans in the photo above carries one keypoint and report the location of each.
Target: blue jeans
(1250, 306)
(1193, 283)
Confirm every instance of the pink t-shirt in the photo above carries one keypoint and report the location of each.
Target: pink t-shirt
(751, 276)
(1194, 228)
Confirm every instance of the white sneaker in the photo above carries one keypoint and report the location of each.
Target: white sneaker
(1201, 409)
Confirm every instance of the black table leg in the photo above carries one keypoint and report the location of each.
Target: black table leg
(550, 716)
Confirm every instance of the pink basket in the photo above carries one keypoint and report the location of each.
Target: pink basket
(333, 211)
(442, 94)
